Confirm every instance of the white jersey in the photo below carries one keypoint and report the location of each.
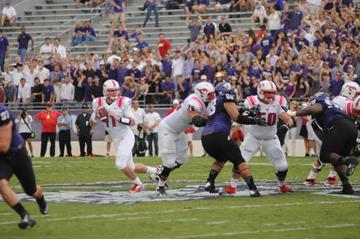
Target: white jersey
(344, 103)
(122, 108)
(178, 120)
(270, 112)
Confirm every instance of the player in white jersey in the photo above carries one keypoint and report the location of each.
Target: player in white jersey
(271, 107)
(172, 139)
(348, 93)
(117, 122)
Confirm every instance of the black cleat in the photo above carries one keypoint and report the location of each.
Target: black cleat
(44, 209)
(351, 162)
(161, 191)
(347, 189)
(254, 193)
(26, 222)
(209, 187)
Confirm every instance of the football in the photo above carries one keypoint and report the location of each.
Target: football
(102, 113)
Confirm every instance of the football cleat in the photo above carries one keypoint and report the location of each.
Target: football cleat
(230, 190)
(309, 182)
(26, 222)
(135, 188)
(161, 191)
(347, 189)
(210, 187)
(254, 193)
(330, 181)
(44, 209)
(285, 189)
(351, 162)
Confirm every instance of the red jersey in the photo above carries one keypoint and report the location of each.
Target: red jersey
(164, 47)
(48, 120)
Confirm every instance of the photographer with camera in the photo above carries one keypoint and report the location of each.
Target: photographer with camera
(24, 120)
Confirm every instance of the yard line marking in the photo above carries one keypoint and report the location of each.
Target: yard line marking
(284, 223)
(217, 222)
(95, 216)
(228, 234)
(132, 218)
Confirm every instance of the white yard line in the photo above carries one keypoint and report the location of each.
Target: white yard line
(217, 222)
(220, 207)
(132, 218)
(284, 223)
(229, 234)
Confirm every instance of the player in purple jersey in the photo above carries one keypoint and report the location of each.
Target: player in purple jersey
(217, 142)
(339, 134)
(14, 159)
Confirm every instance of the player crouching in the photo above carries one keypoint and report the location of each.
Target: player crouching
(271, 107)
(115, 112)
(218, 144)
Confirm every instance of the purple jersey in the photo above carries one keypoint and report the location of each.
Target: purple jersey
(330, 113)
(16, 140)
(219, 120)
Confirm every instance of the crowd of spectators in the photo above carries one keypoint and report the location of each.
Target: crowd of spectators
(302, 48)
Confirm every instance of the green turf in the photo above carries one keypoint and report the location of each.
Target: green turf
(296, 215)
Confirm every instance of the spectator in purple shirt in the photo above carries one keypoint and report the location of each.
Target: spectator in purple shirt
(119, 39)
(168, 89)
(336, 84)
(166, 65)
(4, 49)
(23, 40)
(118, 13)
(48, 95)
(88, 32)
(77, 34)
(209, 28)
(292, 18)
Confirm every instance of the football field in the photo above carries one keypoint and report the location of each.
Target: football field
(88, 198)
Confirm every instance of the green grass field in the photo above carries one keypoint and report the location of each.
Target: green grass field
(301, 214)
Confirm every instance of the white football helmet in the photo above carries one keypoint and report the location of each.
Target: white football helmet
(266, 91)
(350, 90)
(205, 91)
(111, 89)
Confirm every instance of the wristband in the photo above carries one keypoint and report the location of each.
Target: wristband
(291, 113)
(125, 121)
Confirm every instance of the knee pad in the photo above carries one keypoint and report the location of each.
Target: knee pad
(165, 172)
(281, 174)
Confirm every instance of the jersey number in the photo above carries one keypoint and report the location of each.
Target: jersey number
(271, 118)
(4, 116)
(113, 122)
